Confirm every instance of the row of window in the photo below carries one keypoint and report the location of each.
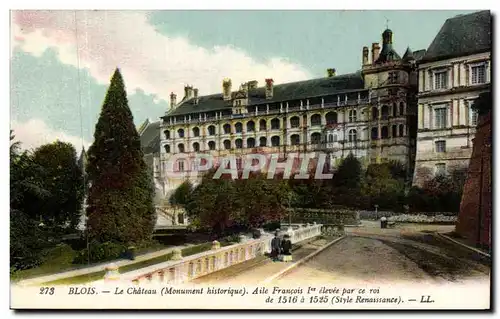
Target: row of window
(331, 118)
(477, 76)
(441, 118)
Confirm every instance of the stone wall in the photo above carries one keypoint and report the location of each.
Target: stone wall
(474, 221)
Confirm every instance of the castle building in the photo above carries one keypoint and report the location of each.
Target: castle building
(454, 71)
(371, 113)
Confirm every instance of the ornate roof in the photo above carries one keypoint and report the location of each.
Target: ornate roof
(462, 35)
(281, 92)
(150, 138)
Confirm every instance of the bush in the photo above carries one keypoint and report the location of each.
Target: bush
(101, 252)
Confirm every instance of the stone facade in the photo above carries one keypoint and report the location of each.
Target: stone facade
(451, 76)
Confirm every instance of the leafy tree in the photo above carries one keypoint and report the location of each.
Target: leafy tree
(181, 195)
(346, 183)
(120, 200)
(63, 179)
(380, 187)
(483, 103)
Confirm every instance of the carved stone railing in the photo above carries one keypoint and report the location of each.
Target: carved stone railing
(183, 269)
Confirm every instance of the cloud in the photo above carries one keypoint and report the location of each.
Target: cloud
(153, 62)
(35, 132)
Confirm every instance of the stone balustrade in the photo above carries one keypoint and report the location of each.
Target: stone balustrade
(183, 269)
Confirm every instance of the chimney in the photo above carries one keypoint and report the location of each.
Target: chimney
(195, 95)
(331, 72)
(226, 89)
(375, 52)
(188, 92)
(252, 84)
(173, 100)
(365, 56)
(269, 88)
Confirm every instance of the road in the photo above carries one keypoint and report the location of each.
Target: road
(405, 254)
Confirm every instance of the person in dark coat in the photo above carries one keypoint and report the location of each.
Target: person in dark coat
(275, 246)
(286, 248)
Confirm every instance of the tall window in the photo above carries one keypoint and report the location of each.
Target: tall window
(440, 146)
(211, 145)
(275, 124)
(263, 141)
(227, 129)
(239, 143)
(441, 169)
(262, 125)
(196, 132)
(180, 148)
(251, 142)
(275, 141)
(211, 130)
(316, 120)
(294, 122)
(352, 116)
(227, 144)
(167, 148)
(473, 118)
(180, 133)
(353, 136)
(250, 126)
(331, 118)
(440, 115)
(315, 138)
(196, 147)
(167, 134)
(181, 166)
(478, 74)
(440, 80)
(238, 127)
(295, 139)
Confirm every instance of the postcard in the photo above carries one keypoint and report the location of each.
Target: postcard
(250, 160)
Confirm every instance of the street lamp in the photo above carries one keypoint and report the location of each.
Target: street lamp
(376, 211)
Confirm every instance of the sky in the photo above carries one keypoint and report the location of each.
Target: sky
(61, 61)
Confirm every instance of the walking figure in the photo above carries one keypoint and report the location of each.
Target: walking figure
(286, 248)
(275, 246)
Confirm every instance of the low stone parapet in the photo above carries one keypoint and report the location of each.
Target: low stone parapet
(185, 269)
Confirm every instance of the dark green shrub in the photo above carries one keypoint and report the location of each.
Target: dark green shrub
(100, 252)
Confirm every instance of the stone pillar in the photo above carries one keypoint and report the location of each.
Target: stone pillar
(112, 273)
(176, 254)
(215, 245)
(456, 78)
(449, 114)
(420, 116)
(463, 74)
(462, 110)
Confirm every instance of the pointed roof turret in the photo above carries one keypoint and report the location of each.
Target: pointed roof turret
(408, 56)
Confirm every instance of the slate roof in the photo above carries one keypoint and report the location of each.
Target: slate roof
(150, 138)
(419, 54)
(281, 92)
(462, 35)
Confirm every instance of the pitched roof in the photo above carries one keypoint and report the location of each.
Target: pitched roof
(281, 92)
(462, 35)
(150, 138)
(419, 54)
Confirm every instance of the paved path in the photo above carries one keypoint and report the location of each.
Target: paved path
(98, 267)
(404, 254)
(258, 269)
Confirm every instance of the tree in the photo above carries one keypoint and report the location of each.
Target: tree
(483, 103)
(380, 187)
(27, 239)
(63, 179)
(120, 200)
(346, 183)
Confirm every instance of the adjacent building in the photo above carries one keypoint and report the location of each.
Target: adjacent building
(453, 72)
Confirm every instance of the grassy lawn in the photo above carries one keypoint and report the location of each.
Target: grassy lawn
(188, 251)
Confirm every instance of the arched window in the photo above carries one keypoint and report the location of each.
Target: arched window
(211, 145)
(394, 109)
(262, 125)
(331, 118)
(196, 147)
(211, 130)
(401, 130)
(227, 144)
(295, 139)
(196, 132)
(385, 112)
(330, 138)
(316, 120)
(352, 116)
(275, 141)
(294, 122)
(263, 141)
(250, 126)
(315, 138)
(401, 109)
(374, 133)
(394, 131)
(227, 129)
(238, 127)
(250, 142)
(239, 143)
(275, 124)
(180, 133)
(180, 147)
(384, 132)
(353, 136)
(167, 148)
(334, 138)
(374, 113)
(167, 134)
